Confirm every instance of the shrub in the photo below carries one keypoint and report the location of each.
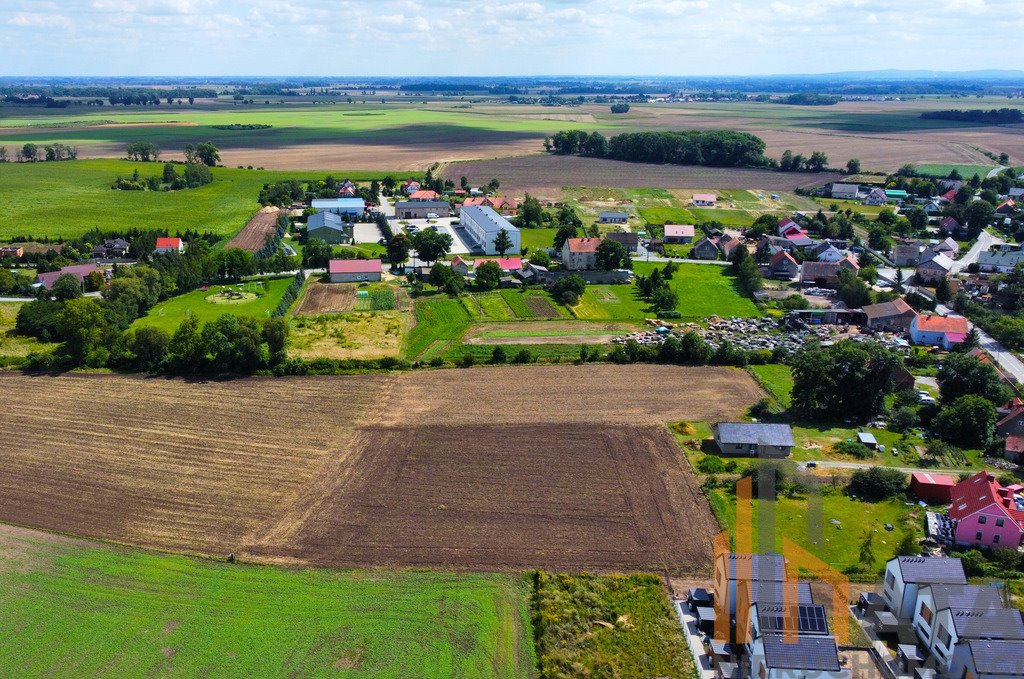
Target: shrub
(877, 483)
(523, 356)
(498, 356)
(853, 448)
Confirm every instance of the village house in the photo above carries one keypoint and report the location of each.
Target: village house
(934, 269)
(728, 243)
(679, 233)
(1000, 261)
(354, 270)
(111, 248)
(501, 205)
(932, 208)
(79, 271)
(1011, 421)
(800, 240)
(613, 217)
(782, 266)
(410, 186)
(629, 239)
(948, 247)
(1007, 207)
(825, 274)
(507, 265)
(705, 248)
(938, 331)
(907, 253)
(787, 223)
(424, 194)
(769, 245)
(347, 189)
(828, 253)
(896, 195)
(165, 246)
(948, 615)
(754, 439)
(347, 207)
(1013, 448)
(329, 227)
(14, 251)
(950, 226)
(894, 316)
(423, 209)
(580, 254)
(986, 514)
(705, 199)
(845, 191)
(482, 224)
(905, 575)
(876, 197)
(461, 266)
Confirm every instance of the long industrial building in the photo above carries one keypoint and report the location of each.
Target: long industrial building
(482, 225)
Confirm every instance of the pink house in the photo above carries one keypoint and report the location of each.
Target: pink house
(986, 514)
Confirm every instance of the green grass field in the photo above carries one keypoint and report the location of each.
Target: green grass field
(14, 347)
(130, 613)
(68, 198)
(440, 321)
(168, 315)
(966, 171)
(839, 545)
(705, 290)
(777, 380)
(537, 239)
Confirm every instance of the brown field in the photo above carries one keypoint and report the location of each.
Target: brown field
(322, 298)
(374, 470)
(541, 307)
(254, 235)
(546, 175)
(554, 332)
(363, 335)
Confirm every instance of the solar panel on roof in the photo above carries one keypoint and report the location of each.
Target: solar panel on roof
(812, 619)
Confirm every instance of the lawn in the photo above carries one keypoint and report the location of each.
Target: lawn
(705, 290)
(815, 441)
(259, 301)
(836, 544)
(667, 215)
(611, 303)
(131, 613)
(66, 199)
(14, 347)
(490, 306)
(777, 380)
(440, 321)
(537, 239)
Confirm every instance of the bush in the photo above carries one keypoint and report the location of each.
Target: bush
(877, 483)
(498, 356)
(853, 448)
(467, 361)
(712, 464)
(523, 356)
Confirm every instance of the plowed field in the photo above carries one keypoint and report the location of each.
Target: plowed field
(254, 235)
(562, 467)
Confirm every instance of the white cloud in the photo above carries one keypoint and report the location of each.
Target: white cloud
(39, 20)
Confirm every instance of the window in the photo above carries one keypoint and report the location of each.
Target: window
(1000, 522)
(944, 638)
(995, 539)
(926, 613)
(983, 519)
(977, 536)
(890, 580)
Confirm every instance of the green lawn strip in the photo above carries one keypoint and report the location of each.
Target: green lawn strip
(639, 636)
(493, 306)
(944, 169)
(815, 441)
(839, 544)
(777, 380)
(132, 613)
(517, 303)
(582, 332)
(78, 198)
(537, 239)
(544, 353)
(168, 315)
(611, 303)
(439, 320)
(855, 205)
(666, 215)
(704, 290)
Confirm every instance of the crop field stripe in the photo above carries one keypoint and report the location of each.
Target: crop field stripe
(517, 304)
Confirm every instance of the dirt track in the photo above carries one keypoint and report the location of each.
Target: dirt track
(562, 466)
(254, 235)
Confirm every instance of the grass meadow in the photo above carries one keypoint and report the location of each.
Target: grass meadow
(943, 170)
(66, 199)
(73, 609)
(777, 380)
(168, 315)
(440, 321)
(705, 290)
(14, 347)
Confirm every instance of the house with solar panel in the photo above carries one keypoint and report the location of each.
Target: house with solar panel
(987, 659)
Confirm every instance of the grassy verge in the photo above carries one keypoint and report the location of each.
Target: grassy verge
(440, 321)
(129, 613)
(615, 626)
(14, 348)
(777, 380)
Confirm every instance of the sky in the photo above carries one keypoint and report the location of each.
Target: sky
(488, 37)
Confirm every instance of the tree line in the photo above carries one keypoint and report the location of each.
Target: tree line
(31, 153)
(996, 116)
(714, 148)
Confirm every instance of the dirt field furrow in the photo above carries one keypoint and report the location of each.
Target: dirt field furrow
(494, 468)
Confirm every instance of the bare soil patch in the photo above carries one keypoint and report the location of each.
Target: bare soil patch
(541, 307)
(254, 235)
(545, 332)
(322, 298)
(546, 175)
(374, 470)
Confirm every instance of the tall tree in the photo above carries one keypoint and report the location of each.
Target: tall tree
(208, 154)
(502, 242)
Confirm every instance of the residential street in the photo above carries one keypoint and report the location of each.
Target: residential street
(984, 242)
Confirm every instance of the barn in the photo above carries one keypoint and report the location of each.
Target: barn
(354, 270)
(936, 488)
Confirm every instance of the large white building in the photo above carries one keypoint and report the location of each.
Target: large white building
(483, 224)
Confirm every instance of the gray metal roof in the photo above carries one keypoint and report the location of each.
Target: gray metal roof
(808, 653)
(339, 203)
(1001, 623)
(325, 220)
(768, 592)
(965, 597)
(756, 433)
(623, 215)
(489, 220)
(998, 657)
(923, 570)
(761, 567)
(1009, 259)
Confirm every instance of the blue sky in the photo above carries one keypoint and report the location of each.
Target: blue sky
(488, 37)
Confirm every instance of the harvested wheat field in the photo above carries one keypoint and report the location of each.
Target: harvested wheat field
(254, 235)
(396, 469)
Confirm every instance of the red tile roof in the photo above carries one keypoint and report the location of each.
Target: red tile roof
(354, 266)
(780, 256)
(168, 243)
(581, 245)
(979, 492)
(946, 324)
(950, 195)
(424, 195)
(1015, 444)
(505, 263)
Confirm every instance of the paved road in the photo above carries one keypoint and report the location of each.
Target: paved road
(984, 242)
(994, 172)
(1004, 358)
